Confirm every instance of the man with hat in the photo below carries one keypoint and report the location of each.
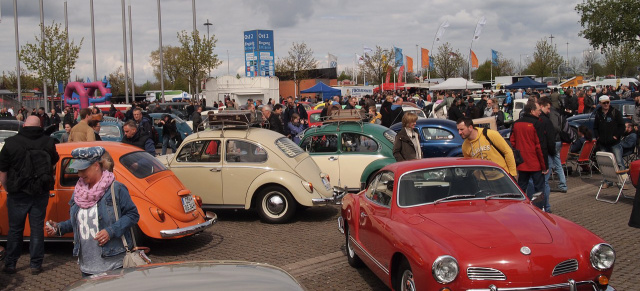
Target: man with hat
(20, 204)
(608, 128)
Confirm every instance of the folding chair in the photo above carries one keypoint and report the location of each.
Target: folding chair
(610, 172)
(584, 158)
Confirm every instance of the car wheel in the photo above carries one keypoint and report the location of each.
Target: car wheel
(275, 205)
(352, 258)
(404, 277)
(139, 236)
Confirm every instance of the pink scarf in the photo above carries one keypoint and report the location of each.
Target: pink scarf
(85, 197)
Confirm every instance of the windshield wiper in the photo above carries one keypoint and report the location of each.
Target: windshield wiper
(515, 195)
(453, 197)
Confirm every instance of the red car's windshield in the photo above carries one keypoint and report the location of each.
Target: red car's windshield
(452, 183)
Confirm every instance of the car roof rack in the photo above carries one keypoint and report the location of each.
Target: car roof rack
(342, 116)
(230, 119)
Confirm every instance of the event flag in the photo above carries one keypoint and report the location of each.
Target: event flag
(367, 50)
(401, 74)
(474, 60)
(431, 63)
(333, 61)
(389, 68)
(494, 57)
(441, 30)
(479, 27)
(360, 59)
(398, 54)
(425, 58)
(409, 64)
(452, 54)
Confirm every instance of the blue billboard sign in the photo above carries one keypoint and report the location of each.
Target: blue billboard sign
(258, 53)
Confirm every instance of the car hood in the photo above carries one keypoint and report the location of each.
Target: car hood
(491, 225)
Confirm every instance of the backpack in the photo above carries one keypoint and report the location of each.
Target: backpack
(35, 175)
(516, 153)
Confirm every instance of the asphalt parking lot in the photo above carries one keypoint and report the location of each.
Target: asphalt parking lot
(312, 249)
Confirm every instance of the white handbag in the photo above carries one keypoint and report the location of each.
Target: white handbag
(136, 256)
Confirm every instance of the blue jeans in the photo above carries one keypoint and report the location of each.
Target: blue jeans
(538, 183)
(18, 207)
(556, 165)
(167, 141)
(617, 152)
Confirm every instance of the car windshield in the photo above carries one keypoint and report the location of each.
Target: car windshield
(109, 132)
(288, 147)
(141, 164)
(390, 135)
(455, 183)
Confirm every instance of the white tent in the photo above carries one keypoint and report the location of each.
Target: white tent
(456, 84)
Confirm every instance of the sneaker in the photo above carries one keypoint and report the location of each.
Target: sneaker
(9, 270)
(36, 271)
(605, 186)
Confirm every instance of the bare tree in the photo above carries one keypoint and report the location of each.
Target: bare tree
(448, 63)
(376, 63)
(545, 59)
(621, 60)
(299, 59)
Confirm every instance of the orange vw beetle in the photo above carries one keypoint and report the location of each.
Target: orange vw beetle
(167, 209)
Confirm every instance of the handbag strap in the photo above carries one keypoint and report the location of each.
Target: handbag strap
(115, 211)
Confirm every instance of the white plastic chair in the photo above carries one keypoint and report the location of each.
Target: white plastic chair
(610, 172)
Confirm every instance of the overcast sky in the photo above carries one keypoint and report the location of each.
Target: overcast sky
(326, 26)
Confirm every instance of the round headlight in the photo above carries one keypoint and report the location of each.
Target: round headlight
(602, 257)
(445, 269)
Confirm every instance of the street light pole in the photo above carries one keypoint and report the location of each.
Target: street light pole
(15, 24)
(161, 55)
(195, 49)
(44, 79)
(207, 24)
(520, 66)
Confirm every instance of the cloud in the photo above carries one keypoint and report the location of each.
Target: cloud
(282, 13)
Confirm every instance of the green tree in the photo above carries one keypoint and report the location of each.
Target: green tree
(376, 64)
(610, 23)
(196, 56)
(116, 79)
(51, 58)
(448, 63)
(545, 60)
(172, 65)
(621, 61)
(343, 76)
(27, 81)
(298, 60)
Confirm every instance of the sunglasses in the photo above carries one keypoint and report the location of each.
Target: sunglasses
(606, 102)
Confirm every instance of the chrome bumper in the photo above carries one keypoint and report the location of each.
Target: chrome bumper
(336, 199)
(211, 219)
(571, 285)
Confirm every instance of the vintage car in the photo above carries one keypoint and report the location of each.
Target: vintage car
(314, 117)
(196, 275)
(183, 128)
(463, 224)
(350, 152)
(249, 168)
(110, 130)
(167, 209)
(438, 137)
(625, 106)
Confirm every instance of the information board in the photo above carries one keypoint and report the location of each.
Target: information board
(258, 53)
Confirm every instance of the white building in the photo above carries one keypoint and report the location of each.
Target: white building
(256, 88)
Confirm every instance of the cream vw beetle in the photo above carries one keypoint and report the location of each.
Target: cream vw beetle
(250, 168)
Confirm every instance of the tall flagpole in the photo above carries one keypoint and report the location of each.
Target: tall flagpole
(15, 25)
(124, 50)
(355, 67)
(197, 83)
(93, 41)
(133, 83)
(161, 55)
(44, 79)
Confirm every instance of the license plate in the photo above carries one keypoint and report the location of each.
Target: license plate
(326, 183)
(188, 204)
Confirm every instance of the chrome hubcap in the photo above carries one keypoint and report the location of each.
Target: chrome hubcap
(275, 204)
(407, 281)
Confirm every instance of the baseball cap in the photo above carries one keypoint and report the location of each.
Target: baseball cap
(604, 98)
(85, 157)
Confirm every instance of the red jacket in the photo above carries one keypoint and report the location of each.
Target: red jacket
(524, 137)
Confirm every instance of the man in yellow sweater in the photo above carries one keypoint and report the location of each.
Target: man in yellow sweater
(477, 146)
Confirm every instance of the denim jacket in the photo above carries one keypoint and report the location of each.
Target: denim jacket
(128, 213)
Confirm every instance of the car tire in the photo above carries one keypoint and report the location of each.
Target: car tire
(352, 257)
(138, 236)
(404, 277)
(275, 205)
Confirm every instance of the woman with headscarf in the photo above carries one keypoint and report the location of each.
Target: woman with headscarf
(96, 232)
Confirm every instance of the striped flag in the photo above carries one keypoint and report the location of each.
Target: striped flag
(360, 59)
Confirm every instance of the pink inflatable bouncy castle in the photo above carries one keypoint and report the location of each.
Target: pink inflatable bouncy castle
(83, 95)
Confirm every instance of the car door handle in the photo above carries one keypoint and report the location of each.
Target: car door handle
(52, 194)
(333, 159)
(215, 170)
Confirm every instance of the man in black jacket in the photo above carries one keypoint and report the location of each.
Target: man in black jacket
(562, 134)
(546, 135)
(608, 128)
(20, 204)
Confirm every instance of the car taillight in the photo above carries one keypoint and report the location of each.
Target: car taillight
(157, 213)
(198, 200)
